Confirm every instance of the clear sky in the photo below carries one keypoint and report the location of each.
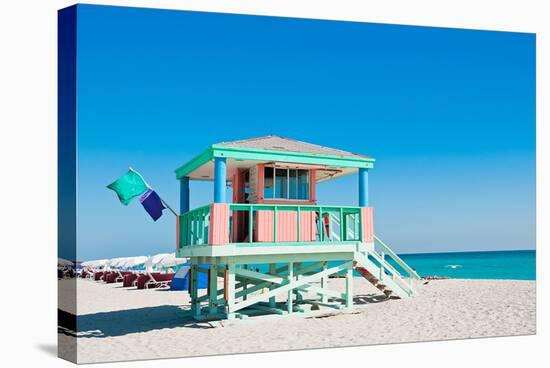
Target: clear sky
(449, 115)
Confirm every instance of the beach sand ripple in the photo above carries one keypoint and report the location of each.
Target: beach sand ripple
(117, 324)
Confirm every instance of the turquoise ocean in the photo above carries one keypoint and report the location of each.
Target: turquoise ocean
(504, 265)
(496, 265)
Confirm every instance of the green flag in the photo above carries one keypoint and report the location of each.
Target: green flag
(128, 186)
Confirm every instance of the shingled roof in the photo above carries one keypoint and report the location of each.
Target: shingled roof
(271, 148)
(276, 143)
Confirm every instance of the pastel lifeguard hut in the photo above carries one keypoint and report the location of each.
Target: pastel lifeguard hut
(272, 245)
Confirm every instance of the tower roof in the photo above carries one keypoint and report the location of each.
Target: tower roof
(275, 150)
(277, 143)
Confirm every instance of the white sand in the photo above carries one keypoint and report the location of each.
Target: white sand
(127, 324)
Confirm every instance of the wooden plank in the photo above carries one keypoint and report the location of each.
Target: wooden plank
(285, 156)
(219, 224)
(349, 286)
(324, 283)
(290, 281)
(230, 290)
(272, 271)
(290, 286)
(213, 289)
(367, 224)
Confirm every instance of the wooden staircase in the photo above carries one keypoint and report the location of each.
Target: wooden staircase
(379, 272)
(374, 280)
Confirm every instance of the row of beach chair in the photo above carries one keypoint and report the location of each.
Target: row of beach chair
(140, 280)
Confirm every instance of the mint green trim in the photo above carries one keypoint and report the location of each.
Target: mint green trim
(195, 163)
(194, 227)
(294, 157)
(242, 297)
(195, 224)
(256, 154)
(389, 252)
(292, 207)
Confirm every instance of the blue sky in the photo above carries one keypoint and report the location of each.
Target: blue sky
(448, 114)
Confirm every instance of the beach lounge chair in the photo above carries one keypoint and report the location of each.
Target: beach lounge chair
(98, 276)
(154, 280)
(117, 276)
(129, 279)
(141, 280)
(159, 280)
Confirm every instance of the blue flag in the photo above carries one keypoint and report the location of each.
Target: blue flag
(152, 203)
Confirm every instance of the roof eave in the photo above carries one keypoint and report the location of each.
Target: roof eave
(257, 154)
(194, 163)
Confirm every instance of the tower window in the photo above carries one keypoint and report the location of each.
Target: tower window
(289, 184)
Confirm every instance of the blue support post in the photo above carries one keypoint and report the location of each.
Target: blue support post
(220, 178)
(184, 195)
(363, 187)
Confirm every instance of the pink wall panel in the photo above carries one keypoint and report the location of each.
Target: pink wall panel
(219, 224)
(367, 217)
(287, 230)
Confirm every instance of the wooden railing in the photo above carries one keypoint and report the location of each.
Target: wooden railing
(297, 223)
(194, 227)
(384, 251)
(264, 224)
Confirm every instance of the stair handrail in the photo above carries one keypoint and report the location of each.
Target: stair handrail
(398, 280)
(397, 276)
(387, 250)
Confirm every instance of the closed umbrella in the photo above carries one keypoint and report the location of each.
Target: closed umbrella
(135, 261)
(171, 260)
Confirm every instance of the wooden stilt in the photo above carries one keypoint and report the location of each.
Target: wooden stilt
(290, 279)
(298, 275)
(349, 286)
(272, 272)
(230, 284)
(213, 289)
(324, 283)
(195, 305)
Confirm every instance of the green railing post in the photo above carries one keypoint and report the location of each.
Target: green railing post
(342, 233)
(290, 279)
(298, 212)
(250, 225)
(321, 224)
(275, 224)
(201, 227)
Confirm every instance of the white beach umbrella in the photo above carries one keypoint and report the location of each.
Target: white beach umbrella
(154, 261)
(136, 261)
(64, 262)
(112, 263)
(157, 259)
(95, 263)
(100, 263)
(171, 260)
(121, 262)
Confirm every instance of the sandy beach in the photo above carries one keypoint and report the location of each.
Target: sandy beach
(118, 323)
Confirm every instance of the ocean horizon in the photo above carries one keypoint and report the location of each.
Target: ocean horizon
(493, 265)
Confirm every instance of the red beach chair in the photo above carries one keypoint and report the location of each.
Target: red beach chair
(129, 279)
(142, 280)
(160, 280)
(98, 275)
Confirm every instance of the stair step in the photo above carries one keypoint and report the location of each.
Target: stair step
(388, 292)
(381, 287)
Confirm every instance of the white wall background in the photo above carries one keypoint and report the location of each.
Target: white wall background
(28, 177)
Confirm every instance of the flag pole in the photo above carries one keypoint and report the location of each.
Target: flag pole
(148, 186)
(168, 206)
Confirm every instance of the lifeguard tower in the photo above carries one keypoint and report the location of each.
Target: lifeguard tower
(272, 245)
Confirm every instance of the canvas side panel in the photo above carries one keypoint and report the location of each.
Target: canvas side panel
(66, 163)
